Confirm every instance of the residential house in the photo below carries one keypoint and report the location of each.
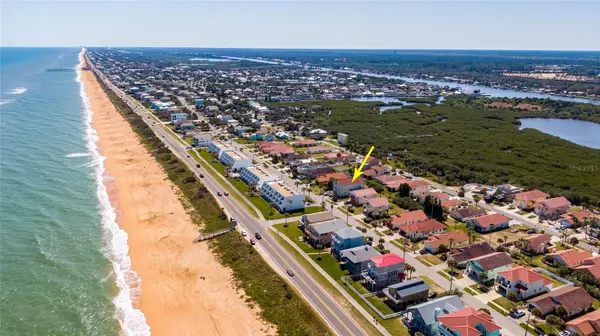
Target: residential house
(211, 110)
(467, 214)
(306, 143)
(490, 265)
(282, 196)
(380, 170)
(342, 188)
(186, 126)
(489, 223)
(528, 199)
(356, 259)
(344, 239)
(391, 182)
(523, 282)
(586, 325)
(418, 186)
(325, 178)
(508, 192)
(317, 133)
(468, 322)
(176, 116)
(591, 266)
(575, 300)
(376, 206)
(450, 204)
(321, 233)
(553, 207)
(360, 196)
(235, 160)
(422, 230)
(383, 270)
(448, 239)
(338, 157)
(401, 294)
(571, 258)
(255, 174)
(464, 254)
(318, 150)
(407, 218)
(202, 139)
(316, 218)
(423, 317)
(536, 244)
(371, 162)
(569, 219)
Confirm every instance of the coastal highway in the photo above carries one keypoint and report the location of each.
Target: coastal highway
(339, 321)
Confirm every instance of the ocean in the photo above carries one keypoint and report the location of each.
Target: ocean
(64, 268)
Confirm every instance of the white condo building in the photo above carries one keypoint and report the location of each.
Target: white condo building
(282, 195)
(234, 159)
(218, 147)
(255, 174)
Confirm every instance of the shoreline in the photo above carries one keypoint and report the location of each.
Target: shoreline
(184, 289)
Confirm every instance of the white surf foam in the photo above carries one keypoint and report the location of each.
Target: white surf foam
(72, 155)
(17, 91)
(5, 101)
(132, 320)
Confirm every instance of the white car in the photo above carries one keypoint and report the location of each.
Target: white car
(564, 333)
(244, 233)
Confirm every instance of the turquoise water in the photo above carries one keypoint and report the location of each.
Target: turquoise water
(55, 274)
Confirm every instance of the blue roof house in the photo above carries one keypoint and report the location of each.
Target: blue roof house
(345, 239)
(423, 317)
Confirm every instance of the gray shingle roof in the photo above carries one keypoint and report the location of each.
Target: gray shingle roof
(409, 287)
(348, 233)
(328, 226)
(359, 254)
(446, 305)
(318, 217)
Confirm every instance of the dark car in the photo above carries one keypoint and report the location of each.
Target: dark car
(531, 231)
(187, 156)
(257, 236)
(201, 175)
(226, 193)
(423, 251)
(431, 295)
(219, 193)
(197, 165)
(252, 242)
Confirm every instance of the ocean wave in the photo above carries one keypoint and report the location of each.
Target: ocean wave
(17, 91)
(72, 155)
(6, 101)
(132, 321)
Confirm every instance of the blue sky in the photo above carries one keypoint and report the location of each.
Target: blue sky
(539, 25)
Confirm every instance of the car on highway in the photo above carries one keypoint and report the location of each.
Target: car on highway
(244, 233)
(197, 165)
(187, 156)
(219, 193)
(201, 175)
(252, 242)
(226, 193)
(431, 295)
(517, 313)
(290, 272)
(257, 236)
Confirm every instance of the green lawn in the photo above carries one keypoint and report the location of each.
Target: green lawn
(294, 233)
(380, 305)
(189, 140)
(431, 259)
(475, 288)
(215, 163)
(506, 303)
(470, 291)
(329, 264)
(433, 286)
(497, 308)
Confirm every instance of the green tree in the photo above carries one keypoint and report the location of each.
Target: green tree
(404, 190)
(512, 296)
(537, 312)
(574, 241)
(554, 320)
(562, 312)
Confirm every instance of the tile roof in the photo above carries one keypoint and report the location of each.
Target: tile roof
(363, 192)
(318, 217)
(531, 195)
(387, 260)
(408, 217)
(326, 177)
(450, 203)
(305, 142)
(587, 324)
(446, 305)
(469, 252)
(417, 183)
(466, 320)
(556, 202)
(572, 257)
(537, 241)
(580, 215)
(569, 297)
(328, 226)
(426, 226)
(437, 240)
(525, 275)
(348, 181)
(471, 212)
(493, 260)
(492, 219)
(378, 202)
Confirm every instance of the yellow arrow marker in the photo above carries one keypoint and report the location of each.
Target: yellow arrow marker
(358, 172)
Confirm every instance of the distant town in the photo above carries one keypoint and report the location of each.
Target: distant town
(407, 254)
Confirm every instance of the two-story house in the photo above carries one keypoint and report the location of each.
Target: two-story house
(591, 266)
(553, 207)
(377, 206)
(487, 267)
(383, 270)
(468, 322)
(401, 294)
(342, 188)
(523, 282)
(528, 199)
(344, 239)
(422, 230)
(423, 317)
(407, 218)
(360, 196)
(535, 244)
(321, 233)
(571, 258)
(447, 239)
(202, 139)
(466, 253)
(575, 300)
(356, 259)
(318, 217)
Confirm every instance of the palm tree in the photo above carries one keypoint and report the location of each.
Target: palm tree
(286, 215)
(500, 241)
(381, 240)
(453, 264)
(451, 240)
(409, 269)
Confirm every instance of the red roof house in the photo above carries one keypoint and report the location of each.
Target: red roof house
(468, 322)
(434, 242)
(490, 222)
(571, 257)
(553, 207)
(527, 199)
(523, 282)
(421, 230)
(407, 218)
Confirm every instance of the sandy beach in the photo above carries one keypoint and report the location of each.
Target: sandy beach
(184, 291)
